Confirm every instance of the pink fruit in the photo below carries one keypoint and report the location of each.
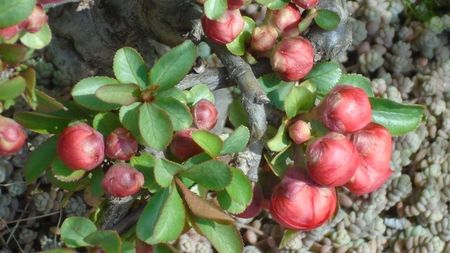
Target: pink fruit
(286, 20)
(183, 146)
(299, 131)
(9, 32)
(293, 58)
(368, 179)
(306, 4)
(263, 38)
(120, 144)
(255, 206)
(204, 113)
(225, 29)
(345, 109)
(332, 160)
(81, 147)
(122, 180)
(298, 203)
(12, 136)
(35, 21)
(235, 4)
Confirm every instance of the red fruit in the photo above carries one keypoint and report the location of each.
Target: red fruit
(12, 136)
(81, 147)
(9, 32)
(300, 204)
(332, 160)
(204, 113)
(306, 4)
(293, 58)
(225, 29)
(142, 247)
(368, 179)
(255, 206)
(235, 4)
(122, 180)
(263, 38)
(183, 146)
(345, 109)
(120, 144)
(35, 21)
(299, 131)
(287, 19)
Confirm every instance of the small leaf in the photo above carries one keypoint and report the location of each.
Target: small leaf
(106, 122)
(399, 119)
(129, 117)
(327, 20)
(165, 170)
(64, 173)
(178, 112)
(39, 160)
(277, 4)
(30, 92)
(357, 80)
(39, 39)
(214, 9)
(171, 68)
(84, 93)
(237, 141)
(10, 89)
(96, 183)
(325, 76)
(45, 103)
(209, 142)
(214, 175)
(299, 99)
(145, 163)
(68, 186)
(197, 159)
(108, 240)
(237, 114)
(238, 45)
(75, 229)
(60, 251)
(276, 89)
(279, 164)
(172, 93)
(199, 92)
(281, 140)
(238, 194)
(13, 53)
(155, 126)
(163, 217)
(12, 12)
(129, 67)
(41, 122)
(123, 94)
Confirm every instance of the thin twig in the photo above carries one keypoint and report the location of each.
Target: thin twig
(33, 218)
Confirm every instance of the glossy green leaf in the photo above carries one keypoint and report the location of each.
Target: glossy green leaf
(238, 194)
(129, 67)
(84, 93)
(237, 114)
(281, 139)
(237, 141)
(123, 94)
(213, 174)
(68, 186)
(325, 76)
(106, 122)
(14, 11)
(209, 142)
(276, 89)
(64, 173)
(45, 103)
(327, 20)
(239, 44)
(277, 4)
(75, 229)
(299, 99)
(179, 113)
(165, 170)
(40, 159)
(199, 92)
(129, 117)
(357, 80)
(39, 39)
(13, 53)
(145, 163)
(155, 126)
(172, 93)
(41, 122)
(214, 9)
(12, 88)
(108, 240)
(279, 164)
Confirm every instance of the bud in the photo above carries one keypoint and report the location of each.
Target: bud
(293, 58)
(368, 179)
(142, 247)
(12, 136)
(306, 4)
(332, 160)
(286, 20)
(120, 144)
(345, 109)
(35, 21)
(183, 146)
(8, 33)
(255, 206)
(235, 4)
(225, 29)
(299, 131)
(204, 113)
(263, 38)
(298, 203)
(122, 180)
(81, 147)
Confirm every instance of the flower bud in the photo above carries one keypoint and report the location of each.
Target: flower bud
(263, 38)
(122, 180)
(345, 109)
(368, 179)
(298, 203)
(306, 4)
(36, 20)
(12, 136)
(183, 146)
(81, 147)
(255, 206)
(120, 144)
(299, 131)
(293, 58)
(8, 33)
(235, 4)
(286, 20)
(225, 29)
(204, 113)
(332, 160)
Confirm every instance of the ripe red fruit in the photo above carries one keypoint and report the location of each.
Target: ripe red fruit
(183, 146)
(255, 206)
(225, 29)
(332, 160)
(81, 147)
(368, 179)
(122, 180)
(263, 38)
(8, 33)
(235, 4)
(345, 109)
(204, 113)
(120, 144)
(299, 131)
(293, 58)
(300, 204)
(306, 4)
(286, 20)
(35, 21)
(12, 136)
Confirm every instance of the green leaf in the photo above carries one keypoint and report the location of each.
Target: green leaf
(39, 160)
(178, 112)
(325, 76)
(12, 12)
(197, 159)
(106, 122)
(13, 53)
(129, 117)
(64, 173)
(276, 89)
(299, 99)
(163, 248)
(399, 119)
(163, 217)
(264, 2)
(238, 194)
(172, 93)
(155, 126)
(279, 164)
(45, 103)
(214, 9)
(145, 163)
(224, 238)
(108, 240)
(10, 89)
(123, 94)
(214, 175)
(199, 92)
(237, 141)
(30, 90)
(68, 186)
(41, 122)
(96, 183)
(277, 4)
(281, 139)
(60, 251)
(171, 68)
(75, 229)
(39, 39)
(129, 67)
(165, 170)
(327, 20)
(237, 114)
(357, 80)
(84, 93)
(239, 44)
(209, 142)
